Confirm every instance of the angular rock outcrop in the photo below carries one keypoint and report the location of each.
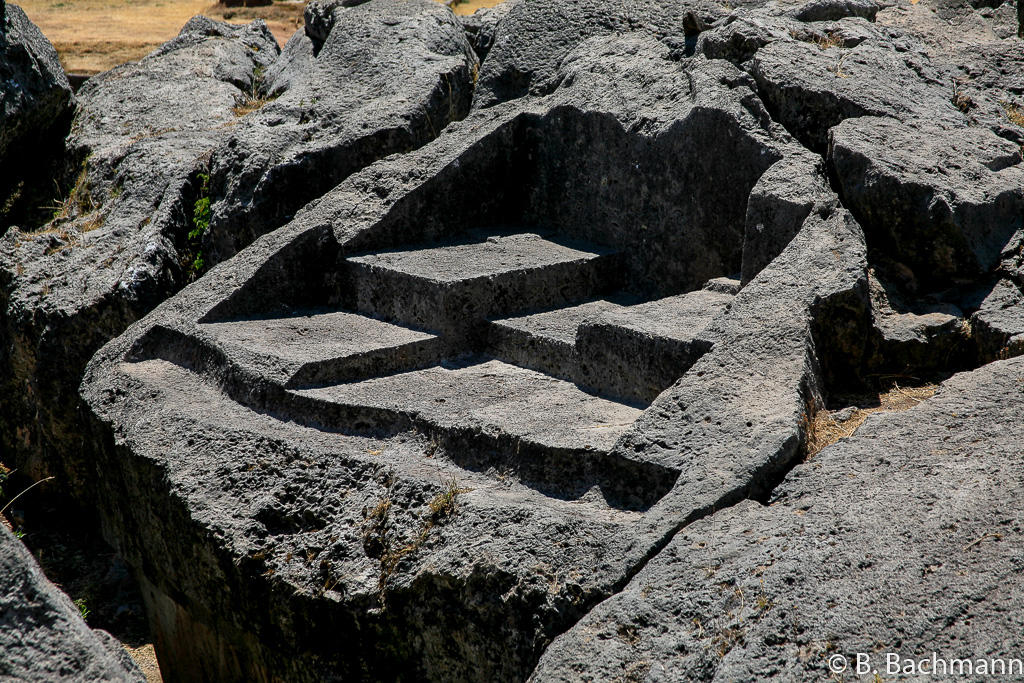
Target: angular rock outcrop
(359, 470)
(42, 635)
(515, 403)
(943, 202)
(119, 243)
(35, 107)
(534, 37)
(810, 87)
(795, 590)
(355, 85)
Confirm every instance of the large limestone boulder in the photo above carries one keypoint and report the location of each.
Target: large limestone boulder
(42, 635)
(533, 37)
(343, 461)
(34, 91)
(354, 85)
(945, 203)
(35, 107)
(119, 243)
(901, 541)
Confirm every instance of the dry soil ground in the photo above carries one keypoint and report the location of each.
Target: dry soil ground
(95, 35)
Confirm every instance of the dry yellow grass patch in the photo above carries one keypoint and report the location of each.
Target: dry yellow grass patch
(823, 429)
(1013, 114)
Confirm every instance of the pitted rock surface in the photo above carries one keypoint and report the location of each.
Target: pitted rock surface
(354, 85)
(119, 243)
(36, 105)
(536, 399)
(770, 592)
(42, 635)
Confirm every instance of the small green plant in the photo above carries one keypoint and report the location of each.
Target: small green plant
(83, 609)
(193, 261)
(253, 99)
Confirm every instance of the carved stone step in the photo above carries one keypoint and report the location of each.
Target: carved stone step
(453, 288)
(494, 417)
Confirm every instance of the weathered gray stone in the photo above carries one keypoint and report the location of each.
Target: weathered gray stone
(639, 351)
(987, 84)
(345, 522)
(35, 108)
(834, 10)
(999, 322)
(482, 26)
(778, 205)
(915, 338)
(34, 91)
(903, 539)
(42, 635)
(400, 437)
(946, 26)
(534, 37)
(944, 202)
(119, 245)
(809, 89)
(357, 84)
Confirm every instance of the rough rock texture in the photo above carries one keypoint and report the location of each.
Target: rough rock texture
(35, 108)
(809, 89)
(999, 322)
(534, 37)
(119, 244)
(482, 26)
(282, 500)
(355, 85)
(42, 636)
(480, 411)
(34, 91)
(759, 593)
(943, 202)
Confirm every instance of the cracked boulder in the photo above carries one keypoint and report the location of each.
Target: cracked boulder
(354, 85)
(999, 322)
(336, 457)
(119, 243)
(35, 107)
(535, 36)
(942, 202)
(843, 561)
(42, 635)
(812, 86)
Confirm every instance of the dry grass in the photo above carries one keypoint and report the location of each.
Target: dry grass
(823, 429)
(823, 41)
(96, 35)
(1013, 113)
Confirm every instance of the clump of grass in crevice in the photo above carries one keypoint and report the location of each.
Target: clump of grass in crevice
(960, 99)
(379, 538)
(823, 41)
(254, 98)
(824, 427)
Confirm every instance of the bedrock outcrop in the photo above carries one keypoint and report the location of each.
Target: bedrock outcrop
(354, 85)
(35, 108)
(384, 500)
(902, 540)
(465, 415)
(185, 157)
(42, 635)
(118, 243)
